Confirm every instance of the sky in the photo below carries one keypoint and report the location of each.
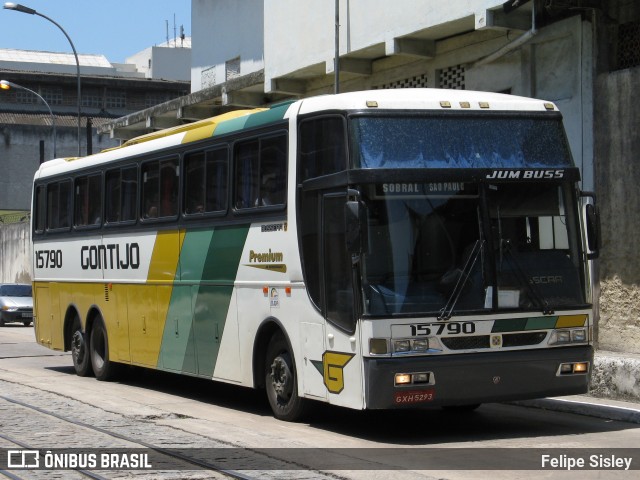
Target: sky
(116, 29)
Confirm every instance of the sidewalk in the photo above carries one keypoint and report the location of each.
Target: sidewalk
(614, 394)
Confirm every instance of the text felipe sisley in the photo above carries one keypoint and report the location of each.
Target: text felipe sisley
(596, 462)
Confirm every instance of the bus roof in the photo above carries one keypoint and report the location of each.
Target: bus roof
(395, 99)
(424, 99)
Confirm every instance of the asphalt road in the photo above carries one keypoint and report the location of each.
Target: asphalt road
(494, 442)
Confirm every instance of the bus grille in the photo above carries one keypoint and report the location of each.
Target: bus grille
(483, 341)
(522, 339)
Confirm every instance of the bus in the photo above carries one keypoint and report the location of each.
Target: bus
(378, 249)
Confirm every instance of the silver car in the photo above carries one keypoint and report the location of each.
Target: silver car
(16, 303)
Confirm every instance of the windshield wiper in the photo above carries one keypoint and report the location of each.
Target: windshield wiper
(463, 277)
(521, 276)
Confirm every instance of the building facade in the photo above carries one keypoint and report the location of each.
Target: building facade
(581, 54)
(27, 126)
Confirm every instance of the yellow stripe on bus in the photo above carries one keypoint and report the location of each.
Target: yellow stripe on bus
(164, 259)
(565, 321)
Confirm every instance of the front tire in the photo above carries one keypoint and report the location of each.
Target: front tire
(80, 350)
(103, 368)
(281, 381)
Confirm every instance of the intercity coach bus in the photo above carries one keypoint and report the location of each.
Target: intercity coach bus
(374, 250)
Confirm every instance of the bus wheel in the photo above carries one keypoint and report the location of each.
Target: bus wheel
(80, 351)
(281, 382)
(99, 348)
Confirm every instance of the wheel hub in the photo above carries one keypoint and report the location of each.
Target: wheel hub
(281, 378)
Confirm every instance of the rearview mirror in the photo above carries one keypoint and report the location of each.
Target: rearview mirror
(592, 221)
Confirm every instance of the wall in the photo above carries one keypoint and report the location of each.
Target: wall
(15, 253)
(304, 31)
(617, 148)
(20, 157)
(171, 63)
(223, 30)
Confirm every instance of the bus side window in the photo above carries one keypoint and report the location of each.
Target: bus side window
(160, 189)
(59, 204)
(273, 163)
(194, 187)
(216, 180)
(322, 147)
(260, 172)
(121, 192)
(88, 201)
(247, 163)
(40, 204)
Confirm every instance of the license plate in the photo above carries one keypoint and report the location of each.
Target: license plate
(27, 315)
(414, 396)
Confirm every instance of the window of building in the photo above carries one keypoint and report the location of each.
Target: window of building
(92, 97)
(23, 96)
(628, 45)
(232, 68)
(116, 99)
(52, 95)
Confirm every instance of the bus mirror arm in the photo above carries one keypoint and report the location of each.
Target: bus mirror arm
(592, 219)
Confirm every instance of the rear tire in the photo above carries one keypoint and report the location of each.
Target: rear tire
(281, 381)
(103, 368)
(80, 350)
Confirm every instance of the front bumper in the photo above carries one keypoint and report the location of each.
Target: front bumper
(17, 316)
(474, 378)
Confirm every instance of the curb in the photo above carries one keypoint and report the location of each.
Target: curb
(621, 413)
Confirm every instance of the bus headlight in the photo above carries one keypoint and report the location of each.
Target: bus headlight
(579, 335)
(421, 345)
(565, 336)
(401, 346)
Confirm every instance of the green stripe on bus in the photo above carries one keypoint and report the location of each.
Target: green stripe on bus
(200, 300)
(272, 115)
(258, 119)
(541, 323)
(177, 352)
(509, 325)
(212, 303)
(229, 126)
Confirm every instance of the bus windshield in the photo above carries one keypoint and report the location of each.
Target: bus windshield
(452, 141)
(444, 251)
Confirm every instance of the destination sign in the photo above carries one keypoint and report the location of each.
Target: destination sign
(410, 189)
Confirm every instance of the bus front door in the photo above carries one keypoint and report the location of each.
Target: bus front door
(342, 358)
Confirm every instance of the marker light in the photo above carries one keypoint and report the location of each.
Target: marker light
(378, 346)
(420, 378)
